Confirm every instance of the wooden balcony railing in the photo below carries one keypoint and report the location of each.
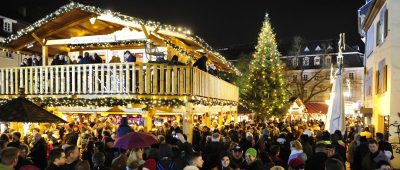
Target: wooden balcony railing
(115, 79)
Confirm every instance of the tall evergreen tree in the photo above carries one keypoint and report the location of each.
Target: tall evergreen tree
(266, 91)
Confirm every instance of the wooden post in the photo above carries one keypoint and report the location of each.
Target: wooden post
(220, 119)
(148, 120)
(188, 122)
(208, 119)
(228, 118)
(45, 55)
(235, 117)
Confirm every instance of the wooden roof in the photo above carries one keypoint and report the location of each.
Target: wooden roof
(73, 20)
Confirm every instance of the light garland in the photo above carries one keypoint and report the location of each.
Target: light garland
(91, 9)
(109, 44)
(179, 49)
(110, 102)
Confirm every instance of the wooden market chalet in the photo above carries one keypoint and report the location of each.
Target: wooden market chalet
(142, 87)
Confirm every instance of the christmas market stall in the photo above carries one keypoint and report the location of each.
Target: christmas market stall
(154, 71)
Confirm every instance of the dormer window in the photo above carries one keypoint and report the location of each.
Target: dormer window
(317, 60)
(306, 61)
(7, 25)
(329, 47)
(318, 48)
(306, 49)
(295, 62)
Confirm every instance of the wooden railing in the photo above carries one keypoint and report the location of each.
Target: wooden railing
(115, 79)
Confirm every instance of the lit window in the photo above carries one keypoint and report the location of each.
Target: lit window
(306, 61)
(295, 62)
(328, 60)
(317, 60)
(351, 76)
(7, 26)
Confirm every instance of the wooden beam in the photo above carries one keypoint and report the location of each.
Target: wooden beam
(145, 31)
(40, 41)
(61, 28)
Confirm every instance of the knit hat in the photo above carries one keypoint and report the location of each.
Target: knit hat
(266, 132)
(252, 152)
(296, 163)
(150, 164)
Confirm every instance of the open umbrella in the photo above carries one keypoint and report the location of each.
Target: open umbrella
(134, 140)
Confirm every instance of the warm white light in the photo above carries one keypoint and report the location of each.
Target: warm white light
(92, 20)
(29, 45)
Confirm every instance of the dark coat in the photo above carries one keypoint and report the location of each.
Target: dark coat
(39, 154)
(211, 155)
(101, 168)
(385, 146)
(22, 162)
(370, 160)
(237, 163)
(53, 167)
(131, 58)
(201, 63)
(361, 151)
(256, 165)
(316, 161)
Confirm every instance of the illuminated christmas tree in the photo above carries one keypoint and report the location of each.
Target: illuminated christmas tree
(265, 92)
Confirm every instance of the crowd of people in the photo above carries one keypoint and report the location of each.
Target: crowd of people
(88, 144)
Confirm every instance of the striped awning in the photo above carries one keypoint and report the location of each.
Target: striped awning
(313, 107)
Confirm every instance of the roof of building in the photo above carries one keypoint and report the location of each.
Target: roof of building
(314, 107)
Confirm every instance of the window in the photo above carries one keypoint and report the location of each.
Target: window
(351, 76)
(378, 33)
(328, 60)
(295, 62)
(306, 49)
(7, 26)
(369, 45)
(317, 60)
(381, 77)
(306, 61)
(385, 25)
(294, 77)
(305, 77)
(318, 48)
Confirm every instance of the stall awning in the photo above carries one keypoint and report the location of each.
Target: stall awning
(313, 107)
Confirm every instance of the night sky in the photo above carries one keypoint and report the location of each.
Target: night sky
(226, 23)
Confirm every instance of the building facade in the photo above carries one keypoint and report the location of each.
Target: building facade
(379, 25)
(309, 73)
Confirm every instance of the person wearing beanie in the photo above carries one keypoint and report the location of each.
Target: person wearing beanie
(296, 164)
(150, 164)
(251, 160)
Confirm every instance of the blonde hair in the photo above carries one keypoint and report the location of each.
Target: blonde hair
(296, 144)
(277, 168)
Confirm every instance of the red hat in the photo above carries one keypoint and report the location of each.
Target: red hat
(296, 163)
(150, 164)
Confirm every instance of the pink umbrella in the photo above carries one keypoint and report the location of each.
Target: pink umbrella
(133, 140)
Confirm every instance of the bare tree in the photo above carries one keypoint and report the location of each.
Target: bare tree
(316, 82)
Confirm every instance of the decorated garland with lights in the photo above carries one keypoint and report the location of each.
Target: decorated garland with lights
(179, 49)
(110, 102)
(109, 44)
(91, 9)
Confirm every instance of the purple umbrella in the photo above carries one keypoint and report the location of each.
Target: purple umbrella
(133, 140)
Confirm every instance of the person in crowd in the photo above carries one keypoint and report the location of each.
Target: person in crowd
(8, 158)
(277, 168)
(383, 165)
(86, 59)
(384, 146)
(72, 154)
(39, 60)
(366, 132)
(331, 152)
(274, 152)
(212, 151)
(224, 162)
(82, 165)
(16, 140)
(98, 160)
(150, 164)
(317, 160)
(307, 148)
(39, 152)
(119, 163)
(128, 57)
(201, 63)
(109, 150)
(56, 60)
(352, 149)
(165, 160)
(370, 161)
(24, 63)
(88, 152)
(123, 128)
(334, 164)
(296, 151)
(135, 159)
(361, 150)
(296, 164)
(251, 160)
(96, 59)
(115, 59)
(56, 159)
(195, 161)
(67, 60)
(23, 159)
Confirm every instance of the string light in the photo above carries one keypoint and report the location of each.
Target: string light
(97, 11)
